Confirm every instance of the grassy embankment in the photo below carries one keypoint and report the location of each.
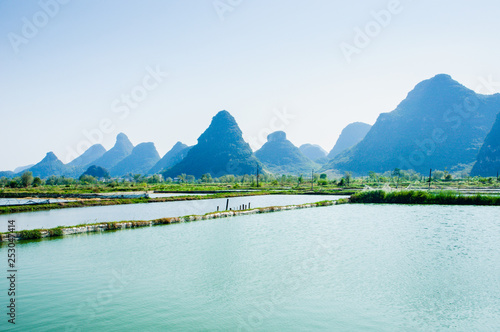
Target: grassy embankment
(423, 197)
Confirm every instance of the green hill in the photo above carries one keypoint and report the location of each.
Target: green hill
(221, 150)
(281, 156)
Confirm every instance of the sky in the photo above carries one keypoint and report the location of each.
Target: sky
(74, 73)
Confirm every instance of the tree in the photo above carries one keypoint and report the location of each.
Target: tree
(207, 178)
(87, 179)
(27, 179)
(137, 177)
(347, 177)
(323, 176)
(37, 182)
(156, 178)
(97, 172)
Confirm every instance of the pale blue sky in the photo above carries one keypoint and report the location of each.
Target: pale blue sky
(263, 57)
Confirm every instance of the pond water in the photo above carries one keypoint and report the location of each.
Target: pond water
(86, 215)
(338, 268)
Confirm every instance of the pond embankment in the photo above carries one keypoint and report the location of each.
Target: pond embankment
(111, 226)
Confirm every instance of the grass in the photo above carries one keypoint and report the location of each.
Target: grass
(423, 197)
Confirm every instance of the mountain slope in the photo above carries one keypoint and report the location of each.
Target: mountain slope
(221, 150)
(313, 151)
(281, 156)
(93, 153)
(22, 168)
(172, 157)
(441, 124)
(122, 148)
(351, 135)
(488, 159)
(49, 165)
(143, 157)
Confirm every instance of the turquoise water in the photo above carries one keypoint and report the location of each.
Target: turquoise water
(339, 268)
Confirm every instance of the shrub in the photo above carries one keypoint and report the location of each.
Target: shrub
(30, 234)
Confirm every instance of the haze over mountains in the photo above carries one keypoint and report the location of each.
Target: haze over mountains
(349, 137)
(440, 125)
(93, 153)
(172, 157)
(313, 152)
(141, 159)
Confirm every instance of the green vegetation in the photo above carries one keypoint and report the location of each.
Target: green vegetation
(423, 197)
(30, 234)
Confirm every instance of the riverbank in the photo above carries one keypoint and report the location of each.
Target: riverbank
(423, 197)
(120, 225)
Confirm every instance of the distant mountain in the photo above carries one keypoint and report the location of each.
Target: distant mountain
(313, 151)
(143, 157)
(172, 157)
(93, 153)
(117, 153)
(281, 156)
(351, 135)
(440, 125)
(50, 165)
(488, 159)
(6, 174)
(221, 150)
(23, 168)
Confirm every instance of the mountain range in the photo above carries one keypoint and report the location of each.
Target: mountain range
(439, 125)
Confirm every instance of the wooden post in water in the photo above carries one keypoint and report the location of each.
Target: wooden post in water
(227, 204)
(312, 180)
(217, 208)
(249, 205)
(257, 175)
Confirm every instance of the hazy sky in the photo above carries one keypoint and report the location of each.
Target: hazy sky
(160, 70)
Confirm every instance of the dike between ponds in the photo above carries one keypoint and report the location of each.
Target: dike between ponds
(120, 225)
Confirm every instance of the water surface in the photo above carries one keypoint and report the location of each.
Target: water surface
(339, 268)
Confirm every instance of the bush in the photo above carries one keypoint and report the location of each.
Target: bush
(30, 234)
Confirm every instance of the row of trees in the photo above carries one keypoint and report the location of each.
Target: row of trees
(395, 177)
